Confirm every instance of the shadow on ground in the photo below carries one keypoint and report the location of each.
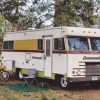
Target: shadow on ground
(79, 86)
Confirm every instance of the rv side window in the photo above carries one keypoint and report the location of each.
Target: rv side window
(40, 44)
(78, 43)
(5, 45)
(8, 45)
(59, 44)
(11, 44)
(95, 43)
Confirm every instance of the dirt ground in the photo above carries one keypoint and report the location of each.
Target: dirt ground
(77, 91)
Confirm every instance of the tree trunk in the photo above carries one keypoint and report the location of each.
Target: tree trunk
(15, 27)
(15, 24)
(57, 11)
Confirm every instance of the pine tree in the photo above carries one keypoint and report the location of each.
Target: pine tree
(85, 10)
(40, 12)
(11, 10)
(75, 12)
(65, 13)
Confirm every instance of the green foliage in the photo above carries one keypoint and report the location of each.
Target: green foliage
(59, 12)
(9, 8)
(69, 12)
(2, 26)
(2, 20)
(12, 10)
(38, 12)
(26, 22)
(86, 12)
(65, 13)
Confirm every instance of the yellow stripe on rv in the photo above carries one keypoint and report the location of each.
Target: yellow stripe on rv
(25, 44)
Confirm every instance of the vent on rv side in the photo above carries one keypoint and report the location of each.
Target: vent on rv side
(92, 68)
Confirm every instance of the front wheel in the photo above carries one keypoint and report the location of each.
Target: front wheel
(63, 83)
(4, 76)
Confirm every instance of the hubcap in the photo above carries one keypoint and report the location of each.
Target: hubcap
(4, 75)
(63, 82)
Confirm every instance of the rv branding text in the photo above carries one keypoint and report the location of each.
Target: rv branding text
(91, 58)
(33, 57)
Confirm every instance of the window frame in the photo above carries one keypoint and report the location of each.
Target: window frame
(9, 45)
(59, 44)
(40, 44)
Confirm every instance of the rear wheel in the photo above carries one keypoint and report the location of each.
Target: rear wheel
(4, 76)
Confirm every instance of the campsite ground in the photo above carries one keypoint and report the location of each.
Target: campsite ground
(76, 92)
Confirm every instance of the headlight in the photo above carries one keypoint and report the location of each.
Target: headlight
(78, 72)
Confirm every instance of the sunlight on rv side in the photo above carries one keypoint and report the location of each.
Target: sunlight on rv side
(78, 43)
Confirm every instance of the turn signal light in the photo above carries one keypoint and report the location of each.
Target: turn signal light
(73, 72)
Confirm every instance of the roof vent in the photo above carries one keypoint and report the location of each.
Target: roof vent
(31, 29)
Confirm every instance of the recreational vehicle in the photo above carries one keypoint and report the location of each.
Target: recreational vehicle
(67, 54)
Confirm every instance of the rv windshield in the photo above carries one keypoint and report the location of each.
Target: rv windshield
(95, 44)
(78, 43)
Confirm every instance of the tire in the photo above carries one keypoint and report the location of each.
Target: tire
(4, 76)
(63, 83)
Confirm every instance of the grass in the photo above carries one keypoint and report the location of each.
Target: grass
(25, 88)
(8, 94)
(5, 94)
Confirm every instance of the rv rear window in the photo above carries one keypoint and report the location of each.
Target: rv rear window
(59, 44)
(40, 44)
(8, 44)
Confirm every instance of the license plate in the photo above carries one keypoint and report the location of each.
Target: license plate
(94, 78)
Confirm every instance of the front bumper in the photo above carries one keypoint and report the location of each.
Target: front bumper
(83, 79)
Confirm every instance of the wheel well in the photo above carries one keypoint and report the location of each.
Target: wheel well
(17, 71)
(58, 76)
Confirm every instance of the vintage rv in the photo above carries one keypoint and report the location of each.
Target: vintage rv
(69, 54)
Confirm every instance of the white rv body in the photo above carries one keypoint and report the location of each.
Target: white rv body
(73, 65)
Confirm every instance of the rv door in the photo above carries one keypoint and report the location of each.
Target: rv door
(47, 56)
